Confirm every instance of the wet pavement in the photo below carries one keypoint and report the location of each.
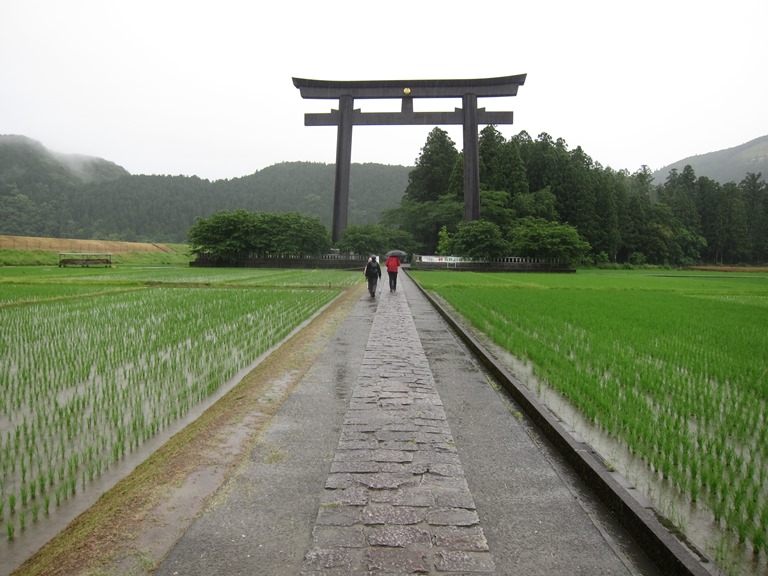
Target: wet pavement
(395, 455)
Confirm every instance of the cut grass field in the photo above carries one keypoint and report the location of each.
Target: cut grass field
(671, 363)
(39, 251)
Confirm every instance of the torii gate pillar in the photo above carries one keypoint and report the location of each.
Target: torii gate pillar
(469, 116)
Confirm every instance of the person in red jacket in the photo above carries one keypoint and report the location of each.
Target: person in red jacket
(392, 264)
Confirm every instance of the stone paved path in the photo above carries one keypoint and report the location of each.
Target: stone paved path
(395, 454)
(396, 500)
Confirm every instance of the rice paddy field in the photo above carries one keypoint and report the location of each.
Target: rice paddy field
(673, 365)
(95, 362)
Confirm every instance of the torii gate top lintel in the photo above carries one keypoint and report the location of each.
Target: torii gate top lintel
(381, 89)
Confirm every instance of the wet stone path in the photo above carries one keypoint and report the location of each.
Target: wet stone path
(396, 500)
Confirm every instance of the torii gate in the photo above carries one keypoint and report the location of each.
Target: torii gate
(470, 116)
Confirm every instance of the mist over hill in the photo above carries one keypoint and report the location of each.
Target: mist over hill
(24, 161)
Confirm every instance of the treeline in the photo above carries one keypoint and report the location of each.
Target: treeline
(45, 194)
(623, 217)
(226, 238)
(538, 197)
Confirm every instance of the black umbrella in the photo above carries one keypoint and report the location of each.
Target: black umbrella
(398, 253)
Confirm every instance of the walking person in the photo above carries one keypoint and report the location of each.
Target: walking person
(372, 274)
(392, 264)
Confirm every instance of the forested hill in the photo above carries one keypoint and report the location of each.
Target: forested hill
(723, 166)
(47, 194)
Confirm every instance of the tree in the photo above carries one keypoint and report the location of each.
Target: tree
(444, 242)
(19, 216)
(511, 174)
(375, 239)
(363, 240)
(490, 146)
(577, 195)
(295, 234)
(456, 181)
(755, 194)
(737, 226)
(423, 220)
(223, 237)
(479, 240)
(657, 240)
(539, 204)
(680, 194)
(713, 219)
(227, 237)
(633, 222)
(539, 238)
(399, 240)
(494, 207)
(545, 162)
(430, 177)
(607, 238)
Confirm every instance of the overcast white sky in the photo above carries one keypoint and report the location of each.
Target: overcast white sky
(205, 87)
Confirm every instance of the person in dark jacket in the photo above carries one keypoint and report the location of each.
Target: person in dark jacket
(372, 274)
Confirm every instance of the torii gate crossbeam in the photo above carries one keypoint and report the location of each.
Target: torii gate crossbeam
(469, 116)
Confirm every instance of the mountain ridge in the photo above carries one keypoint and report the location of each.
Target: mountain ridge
(44, 193)
(723, 166)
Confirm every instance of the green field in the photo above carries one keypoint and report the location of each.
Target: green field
(674, 365)
(97, 361)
